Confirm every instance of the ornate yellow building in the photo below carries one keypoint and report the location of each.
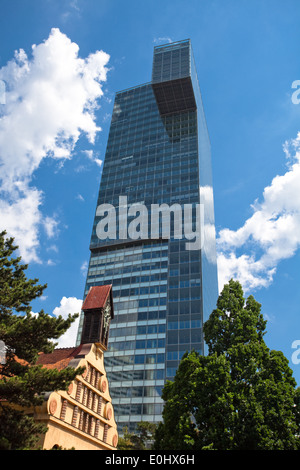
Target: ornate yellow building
(83, 417)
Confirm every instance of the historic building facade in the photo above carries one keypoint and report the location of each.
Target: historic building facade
(83, 416)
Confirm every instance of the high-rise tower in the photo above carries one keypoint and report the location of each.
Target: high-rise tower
(158, 152)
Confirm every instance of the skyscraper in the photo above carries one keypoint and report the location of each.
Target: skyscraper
(164, 286)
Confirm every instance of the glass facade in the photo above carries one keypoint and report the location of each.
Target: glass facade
(158, 152)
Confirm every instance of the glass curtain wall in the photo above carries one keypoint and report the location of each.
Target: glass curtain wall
(157, 152)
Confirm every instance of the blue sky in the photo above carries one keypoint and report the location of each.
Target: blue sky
(247, 57)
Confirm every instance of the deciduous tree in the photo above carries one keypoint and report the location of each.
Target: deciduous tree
(241, 396)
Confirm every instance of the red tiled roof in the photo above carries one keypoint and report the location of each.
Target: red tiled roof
(59, 358)
(96, 297)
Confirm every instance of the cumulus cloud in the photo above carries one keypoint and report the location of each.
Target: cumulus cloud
(50, 101)
(20, 217)
(270, 235)
(68, 305)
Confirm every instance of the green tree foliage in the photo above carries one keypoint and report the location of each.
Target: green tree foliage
(141, 440)
(241, 396)
(22, 381)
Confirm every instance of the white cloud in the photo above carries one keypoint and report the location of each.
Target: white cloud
(98, 161)
(51, 226)
(68, 305)
(91, 156)
(50, 262)
(84, 268)
(52, 248)
(270, 235)
(74, 4)
(20, 217)
(80, 197)
(51, 98)
(162, 40)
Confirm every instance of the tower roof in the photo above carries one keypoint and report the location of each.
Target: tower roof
(96, 297)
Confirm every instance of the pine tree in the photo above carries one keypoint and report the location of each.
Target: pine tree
(25, 335)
